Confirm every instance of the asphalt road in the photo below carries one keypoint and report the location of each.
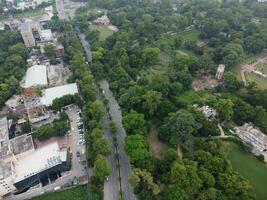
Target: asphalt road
(60, 9)
(115, 113)
(86, 45)
(111, 187)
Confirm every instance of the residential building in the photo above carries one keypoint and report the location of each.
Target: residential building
(27, 35)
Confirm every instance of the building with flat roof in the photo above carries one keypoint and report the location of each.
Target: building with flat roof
(36, 76)
(254, 137)
(3, 131)
(22, 166)
(27, 35)
(50, 94)
(45, 160)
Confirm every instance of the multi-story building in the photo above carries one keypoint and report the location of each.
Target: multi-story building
(22, 166)
(27, 34)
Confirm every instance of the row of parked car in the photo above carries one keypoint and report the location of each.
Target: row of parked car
(80, 127)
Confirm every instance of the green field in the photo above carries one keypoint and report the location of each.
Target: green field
(262, 68)
(105, 32)
(77, 193)
(189, 98)
(249, 167)
(261, 82)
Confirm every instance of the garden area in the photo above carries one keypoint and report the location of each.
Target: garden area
(77, 193)
(104, 31)
(249, 167)
(260, 81)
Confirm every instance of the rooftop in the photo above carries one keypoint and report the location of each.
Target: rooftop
(36, 76)
(25, 27)
(5, 169)
(16, 146)
(56, 92)
(46, 35)
(44, 158)
(3, 130)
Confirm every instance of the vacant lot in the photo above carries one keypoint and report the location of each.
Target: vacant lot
(77, 193)
(249, 167)
(105, 32)
(261, 82)
(157, 148)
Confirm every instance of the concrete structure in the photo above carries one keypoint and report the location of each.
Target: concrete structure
(56, 92)
(16, 104)
(36, 76)
(220, 71)
(208, 111)
(27, 35)
(103, 20)
(254, 137)
(22, 166)
(59, 50)
(46, 35)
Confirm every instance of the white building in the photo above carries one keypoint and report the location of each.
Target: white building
(46, 35)
(22, 166)
(220, 71)
(50, 94)
(252, 135)
(36, 76)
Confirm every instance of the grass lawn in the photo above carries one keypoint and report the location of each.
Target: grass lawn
(157, 148)
(262, 68)
(77, 193)
(249, 167)
(189, 98)
(261, 82)
(190, 35)
(30, 13)
(248, 59)
(105, 32)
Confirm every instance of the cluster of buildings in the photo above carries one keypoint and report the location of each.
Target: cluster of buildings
(254, 137)
(43, 81)
(45, 17)
(23, 4)
(23, 166)
(208, 111)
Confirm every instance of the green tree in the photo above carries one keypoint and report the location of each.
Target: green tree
(101, 168)
(152, 100)
(225, 109)
(49, 50)
(178, 127)
(150, 55)
(95, 110)
(134, 123)
(144, 184)
(137, 148)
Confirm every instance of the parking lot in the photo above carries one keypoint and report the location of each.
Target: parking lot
(79, 171)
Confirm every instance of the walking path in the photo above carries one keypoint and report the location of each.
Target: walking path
(251, 67)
